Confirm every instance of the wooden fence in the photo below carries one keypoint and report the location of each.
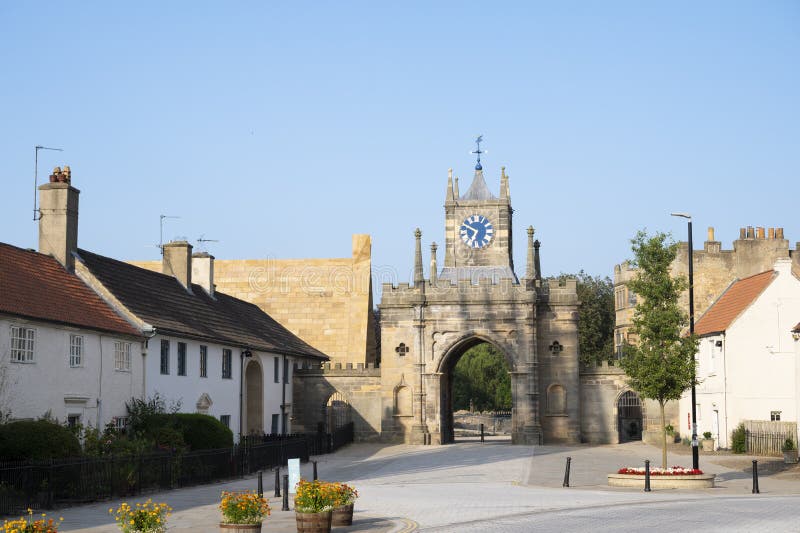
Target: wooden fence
(765, 437)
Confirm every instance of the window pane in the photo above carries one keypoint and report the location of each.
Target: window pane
(165, 356)
(203, 361)
(181, 358)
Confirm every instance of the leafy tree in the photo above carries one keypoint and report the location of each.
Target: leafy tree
(481, 375)
(595, 317)
(662, 365)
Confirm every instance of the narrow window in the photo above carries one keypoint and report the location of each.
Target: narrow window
(775, 416)
(75, 351)
(203, 361)
(22, 344)
(274, 427)
(226, 420)
(73, 421)
(181, 358)
(227, 363)
(122, 356)
(164, 356)
(277, 369)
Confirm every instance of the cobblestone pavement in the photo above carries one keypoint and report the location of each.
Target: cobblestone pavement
(494, 486)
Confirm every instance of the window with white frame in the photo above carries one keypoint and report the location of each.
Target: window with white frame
(775, 416)
(75, 350)
(22, 344)
(122, 356)
(121, 423)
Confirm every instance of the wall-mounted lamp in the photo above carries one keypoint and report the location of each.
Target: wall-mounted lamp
(247, 353)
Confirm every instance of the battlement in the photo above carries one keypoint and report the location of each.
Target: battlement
(336, 369)
(605, 367)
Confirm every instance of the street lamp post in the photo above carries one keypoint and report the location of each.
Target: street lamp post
(695, 451)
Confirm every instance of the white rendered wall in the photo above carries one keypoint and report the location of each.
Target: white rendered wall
(95, 390)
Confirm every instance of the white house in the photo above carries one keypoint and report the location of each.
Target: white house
(747, 364)
(208, 351)
(63, 350)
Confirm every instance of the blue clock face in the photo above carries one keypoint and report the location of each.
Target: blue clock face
(476, 231)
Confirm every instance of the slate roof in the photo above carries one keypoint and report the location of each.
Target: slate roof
(478, 190)
(161, 301)
(736, 298)
(36, 286)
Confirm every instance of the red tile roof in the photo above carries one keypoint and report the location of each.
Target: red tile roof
(36, 286)
(736, 298)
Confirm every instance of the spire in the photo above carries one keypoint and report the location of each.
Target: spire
(537, 267)
(478, 190)
(418, 273)
(530, 269)
(505, 193)
(450, 196)
(455, 187)
(434, 269)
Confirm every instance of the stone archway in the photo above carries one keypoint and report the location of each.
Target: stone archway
(630, 416)
(443, 384)
(254, 394)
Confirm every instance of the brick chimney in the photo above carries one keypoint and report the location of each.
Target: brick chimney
(203, 271)
(177, 262)
(58, 218)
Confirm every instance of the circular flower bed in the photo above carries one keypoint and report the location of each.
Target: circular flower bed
(655, 471)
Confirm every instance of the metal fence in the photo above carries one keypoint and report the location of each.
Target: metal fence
(766, 437)
(45, 484)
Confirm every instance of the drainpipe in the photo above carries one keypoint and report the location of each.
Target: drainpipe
(725, 386)
(283, 396)
(100, 389)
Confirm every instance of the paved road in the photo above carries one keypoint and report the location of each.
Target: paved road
(498, 487)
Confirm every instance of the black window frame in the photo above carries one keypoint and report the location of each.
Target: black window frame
(227, 363)
(181, 358)
(164, 357)
(203, 361)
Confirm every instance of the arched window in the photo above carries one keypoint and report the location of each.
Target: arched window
(556, 400)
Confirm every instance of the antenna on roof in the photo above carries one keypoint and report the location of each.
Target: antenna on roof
(161, 232)
(201, 240)
(36, 176)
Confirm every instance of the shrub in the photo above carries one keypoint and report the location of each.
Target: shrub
(198, 431)
(739, 439)
(706, 435)
(788, 445)
(37, 439)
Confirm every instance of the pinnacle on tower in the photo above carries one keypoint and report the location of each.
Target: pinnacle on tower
(419, 277)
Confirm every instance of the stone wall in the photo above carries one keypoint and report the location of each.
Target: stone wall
(325, 302)
(601, 386)
(359, 384)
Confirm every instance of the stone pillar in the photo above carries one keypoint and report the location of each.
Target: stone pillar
(434, 268)
(419, 430)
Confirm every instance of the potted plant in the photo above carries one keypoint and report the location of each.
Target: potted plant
(346, 495)
(670, 431)
(789, 451)
(29, 525)
(242, 512)
(313, 506)
(147, 517)
(708, 442)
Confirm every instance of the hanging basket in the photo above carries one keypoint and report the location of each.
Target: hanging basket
(313, 522)
(342, 516)
(240, 528)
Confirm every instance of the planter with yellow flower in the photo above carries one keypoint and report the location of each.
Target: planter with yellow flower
(313, 505)
(242, 512)
(30, 524)
(147, 517)
(346, 495)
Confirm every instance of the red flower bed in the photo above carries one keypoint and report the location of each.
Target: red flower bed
(672, 471)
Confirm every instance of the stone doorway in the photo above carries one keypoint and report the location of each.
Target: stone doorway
(447, 380)
(630, 417)
(254, 390)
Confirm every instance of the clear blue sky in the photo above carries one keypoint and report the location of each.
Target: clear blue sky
(282, 128)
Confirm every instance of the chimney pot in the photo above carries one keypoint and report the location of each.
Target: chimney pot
(710, 233)
(779, 233)
(771, 233)
(741, 233)
(750, 232)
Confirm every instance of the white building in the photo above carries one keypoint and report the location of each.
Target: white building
(210, 352)
(747, 364)
(63, 350)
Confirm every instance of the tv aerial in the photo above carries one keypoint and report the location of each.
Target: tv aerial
(201, 242)
(161, 231)
(36, 176)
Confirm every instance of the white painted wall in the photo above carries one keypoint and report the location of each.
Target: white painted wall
(755, 369)
(95, 390)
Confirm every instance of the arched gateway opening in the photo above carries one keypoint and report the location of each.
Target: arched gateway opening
(475, 389)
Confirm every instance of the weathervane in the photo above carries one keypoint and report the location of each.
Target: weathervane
(478, 151)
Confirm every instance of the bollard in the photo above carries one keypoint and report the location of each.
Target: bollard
(647, 475)
(315, 470)
(566, 473)
(285, 506)
(755, 477)
(260, 484)
(278, 482)
(481, 432)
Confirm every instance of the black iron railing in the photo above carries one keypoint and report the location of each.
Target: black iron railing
(45, 484)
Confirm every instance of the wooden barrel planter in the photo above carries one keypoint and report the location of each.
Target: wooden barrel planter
(240, 528)
(342, 516)
(313, 522)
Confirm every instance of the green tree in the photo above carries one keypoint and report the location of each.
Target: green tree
(661, 365)
(595, 317)
(481, 375)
